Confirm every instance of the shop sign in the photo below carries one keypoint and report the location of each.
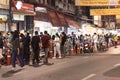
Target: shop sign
(18, 5)
(41, 9)
(97, 21)
(96, 2)
(98, 12)
(3, 18)
(18, 17)
(23, 8)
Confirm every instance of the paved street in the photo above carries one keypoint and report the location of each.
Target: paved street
(94, 66)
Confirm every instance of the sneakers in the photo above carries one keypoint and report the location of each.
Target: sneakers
(21, 68)
(14, 69)
(59, 57)
(54, 58)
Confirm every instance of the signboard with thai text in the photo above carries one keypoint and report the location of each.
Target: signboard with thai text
(96, 2)
(97, 12)
(25, 9)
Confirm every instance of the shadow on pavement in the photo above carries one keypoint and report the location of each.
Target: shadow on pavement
(36, 65)
(115, 72)
(10, 73)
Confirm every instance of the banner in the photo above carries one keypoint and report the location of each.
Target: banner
(96, 2)
(98, 12)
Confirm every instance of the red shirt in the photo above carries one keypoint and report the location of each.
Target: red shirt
(45, 41)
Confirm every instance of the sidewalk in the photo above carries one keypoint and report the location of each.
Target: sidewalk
(114, 50)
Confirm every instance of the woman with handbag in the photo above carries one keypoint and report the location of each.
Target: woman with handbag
(57, 46)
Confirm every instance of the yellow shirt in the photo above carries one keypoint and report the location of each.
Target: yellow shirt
(116, 38)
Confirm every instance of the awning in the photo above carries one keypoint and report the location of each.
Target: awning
(72, 22)
(62, 20)
(54, 18)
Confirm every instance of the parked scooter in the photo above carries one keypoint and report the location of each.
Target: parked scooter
(88, 48)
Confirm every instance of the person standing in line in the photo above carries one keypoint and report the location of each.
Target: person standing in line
(36, 48)
(26, 44)
(63, 40)
(41, 33)
(16, 50)
(21, 46)
(1, 49)
(115, 40)
(73, 39)
(57, 46)
(107, 40)
(45, 45)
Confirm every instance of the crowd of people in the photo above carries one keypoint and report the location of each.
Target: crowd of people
(23, 46)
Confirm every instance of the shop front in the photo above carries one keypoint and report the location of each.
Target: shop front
(3, 22)
(4, 15)
(18, 23)
(21, 13)
(41, 20)
(58, 21)
(51, 20)
(47, 19)
(41, 26)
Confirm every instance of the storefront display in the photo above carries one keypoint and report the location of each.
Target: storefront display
(41, 26)
(20, 11)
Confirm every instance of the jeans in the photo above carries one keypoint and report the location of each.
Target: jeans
(16, 56)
